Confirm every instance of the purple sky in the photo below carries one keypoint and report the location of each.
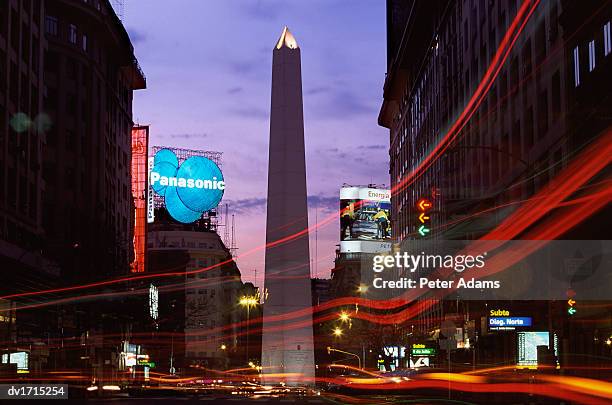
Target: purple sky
(208, 68)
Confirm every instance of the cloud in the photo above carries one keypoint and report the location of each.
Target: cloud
(327, 203)
(243, 67)
(318, 90)
(348, 103)
(268, 10)
(250, 112)
(258, 204)
(183, 136)
(333, 154)
(234, 90)
(246, 205)
(136, 36)
(372, 147)
(342, 104)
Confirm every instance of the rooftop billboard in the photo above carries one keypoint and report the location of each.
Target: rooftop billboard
(190, 187)
(365, 224)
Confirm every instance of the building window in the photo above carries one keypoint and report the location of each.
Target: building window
(72, 34)
(556, 95)
(576, 67)
(84, 43)
(607, 42)
(591, 55)
(51, 24)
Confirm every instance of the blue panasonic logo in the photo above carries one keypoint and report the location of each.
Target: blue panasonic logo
(189, 189)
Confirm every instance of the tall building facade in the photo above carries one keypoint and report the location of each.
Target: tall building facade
(22, 129)
(67, 73)
(546, 101)
(521, 134)
(90, 73)
(286, 349)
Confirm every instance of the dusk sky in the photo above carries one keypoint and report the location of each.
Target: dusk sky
(208, 68)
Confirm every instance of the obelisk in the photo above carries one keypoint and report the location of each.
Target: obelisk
(287, 342)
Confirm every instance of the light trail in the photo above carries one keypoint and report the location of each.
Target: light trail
(502, 53)
(526, 10)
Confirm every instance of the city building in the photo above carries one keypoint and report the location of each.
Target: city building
(544, 103)
(90, 73)
(203, 307)
(67, 73)
(320, 290)
(22, 137)
(22, 127)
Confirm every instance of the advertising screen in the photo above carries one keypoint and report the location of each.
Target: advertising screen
(528, 342)
(365, 217)
(19, 358)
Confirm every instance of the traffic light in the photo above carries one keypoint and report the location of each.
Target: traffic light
(571, 309)
(423, 205)
(571, 302)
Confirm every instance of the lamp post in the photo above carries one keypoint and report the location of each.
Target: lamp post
(330, 349)
(248, 301)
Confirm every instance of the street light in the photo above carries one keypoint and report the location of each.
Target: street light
(331, 349)
(223, 346)
(344, 317)
(362, 288)
(338, 332)
(248, 301)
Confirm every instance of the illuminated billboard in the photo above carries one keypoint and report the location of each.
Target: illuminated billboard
(528, 342)
(189, 187)
(140, 144)
(365, 219)
(18, 358)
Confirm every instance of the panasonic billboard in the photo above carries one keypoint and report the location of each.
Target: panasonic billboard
(190, 188)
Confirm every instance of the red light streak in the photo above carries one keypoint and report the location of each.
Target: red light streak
(502, 53)
(525, 9)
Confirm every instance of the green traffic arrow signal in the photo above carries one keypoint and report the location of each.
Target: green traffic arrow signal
(423, 230)
(571, 310)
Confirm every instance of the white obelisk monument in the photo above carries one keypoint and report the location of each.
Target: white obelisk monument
(287, 342)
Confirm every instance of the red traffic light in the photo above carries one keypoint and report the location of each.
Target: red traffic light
(424, 204)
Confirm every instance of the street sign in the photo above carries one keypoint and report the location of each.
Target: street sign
(419, 362)
(427, 351)
(507, 322)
